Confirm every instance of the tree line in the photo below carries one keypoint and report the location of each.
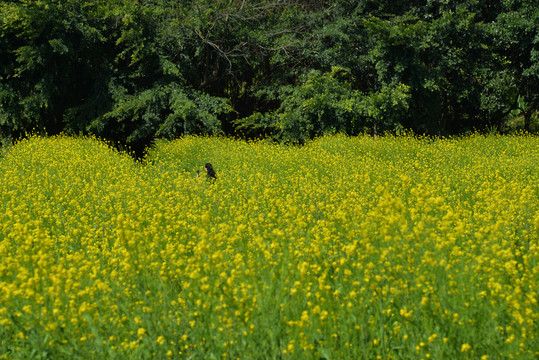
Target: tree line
(133, 70)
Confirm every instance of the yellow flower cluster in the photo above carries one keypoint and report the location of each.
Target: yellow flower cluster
(346, 248)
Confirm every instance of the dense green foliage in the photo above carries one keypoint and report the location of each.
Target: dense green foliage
(131, 71)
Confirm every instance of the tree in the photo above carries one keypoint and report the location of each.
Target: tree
(326, 103)
(113, 69)
(517, 36)
(441, 60)
(130, 71)
(51, 62)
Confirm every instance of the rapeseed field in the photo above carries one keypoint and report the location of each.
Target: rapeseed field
(345, 248)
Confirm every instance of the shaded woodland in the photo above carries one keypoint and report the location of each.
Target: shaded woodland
(133, 71)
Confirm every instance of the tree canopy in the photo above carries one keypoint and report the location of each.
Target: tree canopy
(131, 71)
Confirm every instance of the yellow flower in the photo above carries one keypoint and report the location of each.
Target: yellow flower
(405, 313)
(91, 237)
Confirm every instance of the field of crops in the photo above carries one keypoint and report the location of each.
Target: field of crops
(346, 248)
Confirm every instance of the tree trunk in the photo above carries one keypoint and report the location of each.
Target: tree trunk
(527, 120)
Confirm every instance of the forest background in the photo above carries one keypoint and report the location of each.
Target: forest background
(132, 71)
